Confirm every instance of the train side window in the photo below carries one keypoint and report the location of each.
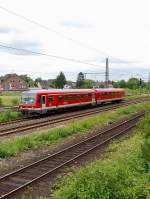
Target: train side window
(74, 97)
(39, 99)
(65, 97)
(89, 95)
(50, 98)
(78, 97)
(70, 97)
(60, 97)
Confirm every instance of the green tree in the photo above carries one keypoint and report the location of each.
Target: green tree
(122, 84)
(133, 83)
(38, 80)
(88, 83)
(80, 80)
(29, 80)
(60, 80)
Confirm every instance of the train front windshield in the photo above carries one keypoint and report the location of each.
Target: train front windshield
(28, 99)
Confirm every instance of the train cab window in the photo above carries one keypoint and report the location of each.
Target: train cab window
(50, 98)
(28, 98)
(60, 97)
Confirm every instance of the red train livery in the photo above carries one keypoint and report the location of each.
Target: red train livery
(42, 101)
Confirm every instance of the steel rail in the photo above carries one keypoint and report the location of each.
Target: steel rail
(26, 127)
(7, 108)
(37, 117)
(17, 180)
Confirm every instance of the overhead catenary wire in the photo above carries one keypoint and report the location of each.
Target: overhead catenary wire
(69, 38)
(3, 45)
(83, 44)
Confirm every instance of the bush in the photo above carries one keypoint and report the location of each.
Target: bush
(15, 102)
(144, 128)
(6, 116)
(1, 103)
(54, 135)
(120, 175)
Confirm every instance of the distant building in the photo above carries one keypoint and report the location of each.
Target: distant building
(12, 82)
(70, 84)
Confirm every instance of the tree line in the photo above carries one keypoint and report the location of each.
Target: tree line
(81, 82)
(59, 82)
(132, 83)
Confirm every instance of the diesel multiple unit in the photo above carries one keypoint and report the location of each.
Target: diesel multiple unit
(42, 101)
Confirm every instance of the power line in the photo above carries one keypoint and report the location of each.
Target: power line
(52, 30)
(83, 44)
(45, 54)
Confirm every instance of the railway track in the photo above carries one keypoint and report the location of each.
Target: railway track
(37, 117)
(59, 119)
(7, 108)
(16, 181)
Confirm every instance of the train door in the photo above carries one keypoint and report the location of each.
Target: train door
(93, 99)
(43, 101)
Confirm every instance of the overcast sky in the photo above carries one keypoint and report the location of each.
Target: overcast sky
(118, 29)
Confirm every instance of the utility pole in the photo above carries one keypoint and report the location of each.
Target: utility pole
(149, 82)
(107, 74)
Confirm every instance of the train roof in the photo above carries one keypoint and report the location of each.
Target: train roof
(63, 91)
(56, 91)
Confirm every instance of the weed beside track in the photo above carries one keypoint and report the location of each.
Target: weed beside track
(121, 174)
(11, 147)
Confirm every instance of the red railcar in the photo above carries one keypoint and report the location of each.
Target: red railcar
(105, 95)
(42, 101)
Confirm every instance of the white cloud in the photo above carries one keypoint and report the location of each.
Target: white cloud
(118, 28)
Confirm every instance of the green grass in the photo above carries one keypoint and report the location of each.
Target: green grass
(120, 175)
(9, 100)
(13, 146)
(133, 94)
(10, 93)
(7, 116)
